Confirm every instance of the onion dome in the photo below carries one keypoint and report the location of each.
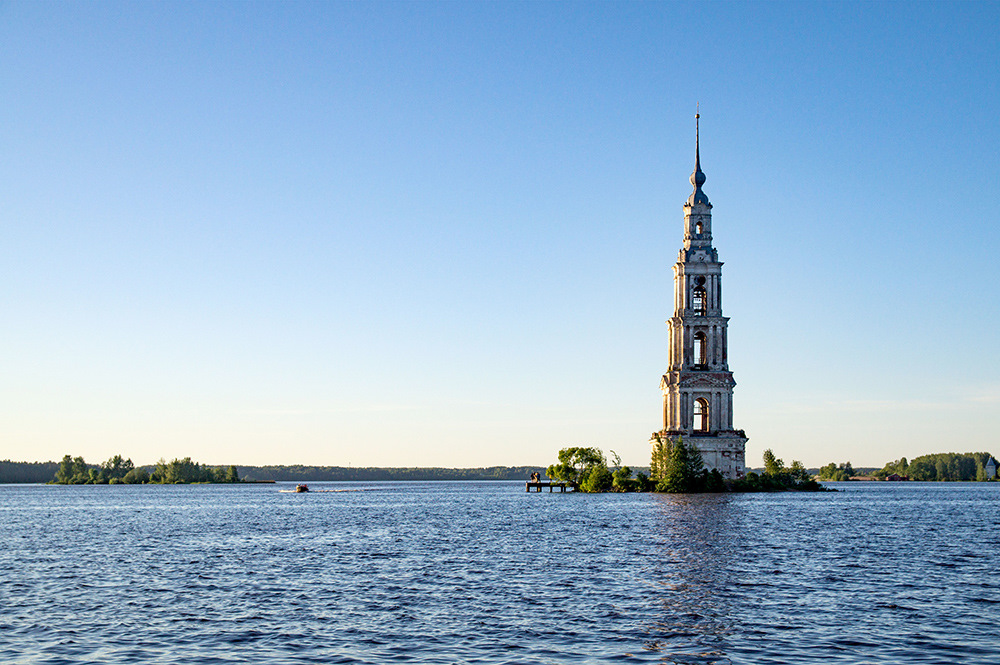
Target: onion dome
(698, 176)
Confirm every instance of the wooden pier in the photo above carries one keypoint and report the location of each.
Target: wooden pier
(537, 485)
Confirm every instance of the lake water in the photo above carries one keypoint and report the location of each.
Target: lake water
(485, 573)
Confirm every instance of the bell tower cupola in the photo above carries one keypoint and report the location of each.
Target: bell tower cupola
(697, 209)
(698, 176)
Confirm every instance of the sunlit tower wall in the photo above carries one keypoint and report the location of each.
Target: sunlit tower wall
(698, 386)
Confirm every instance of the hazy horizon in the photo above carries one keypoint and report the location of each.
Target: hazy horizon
(441, 234)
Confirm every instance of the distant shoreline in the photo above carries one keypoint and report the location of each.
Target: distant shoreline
(43, 472)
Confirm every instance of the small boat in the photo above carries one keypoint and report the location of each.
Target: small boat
(299, 489)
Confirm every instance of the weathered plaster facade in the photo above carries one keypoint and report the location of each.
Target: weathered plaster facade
(698, 386)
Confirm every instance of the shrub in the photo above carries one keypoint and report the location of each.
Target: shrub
(597, 478)
(643, 483)
(136, 476)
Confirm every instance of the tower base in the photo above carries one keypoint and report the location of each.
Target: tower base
(725, 450)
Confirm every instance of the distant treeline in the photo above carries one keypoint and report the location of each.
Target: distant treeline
(298, 472)
(842, 472)
(939, 466)
(76, 470)
(27, 472)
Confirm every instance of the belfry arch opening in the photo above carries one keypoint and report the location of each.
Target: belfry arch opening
(697, 228)
(699, 305)
(700, 413)
(700, 349)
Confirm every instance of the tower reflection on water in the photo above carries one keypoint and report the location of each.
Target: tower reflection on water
(696, 537)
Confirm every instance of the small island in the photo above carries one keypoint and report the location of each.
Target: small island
(675, 468)
(120, 471)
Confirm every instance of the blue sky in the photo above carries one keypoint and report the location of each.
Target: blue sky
(441, 234)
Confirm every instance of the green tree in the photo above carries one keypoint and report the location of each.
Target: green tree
(81, 475)
(922, 468)
(179, 471)
(644, 483)
(67, 470)
(597, 478)
(136, 476)
(749, 483)
(898, 467)
(574, 463)
(683, 471)
(660, 457)
(159, 472)
(772, 465)
(714, 482)
(798, 471)
(621, 477)
(834, 472)
(777, 477)
(115, 468)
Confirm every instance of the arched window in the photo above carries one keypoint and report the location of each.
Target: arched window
(697, 228)
(698, 301)
(700, 349)
(700, 415)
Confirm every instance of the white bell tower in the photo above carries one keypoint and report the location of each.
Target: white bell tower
(698, 386)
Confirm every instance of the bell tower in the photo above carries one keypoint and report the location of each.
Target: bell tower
(698, 386)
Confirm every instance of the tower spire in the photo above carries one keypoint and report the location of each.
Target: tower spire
(697, 140)
(697, 177)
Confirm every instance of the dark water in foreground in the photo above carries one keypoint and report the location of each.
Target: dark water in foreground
(483, 573)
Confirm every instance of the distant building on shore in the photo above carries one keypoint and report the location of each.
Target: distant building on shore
(698, 386)
(991, 468)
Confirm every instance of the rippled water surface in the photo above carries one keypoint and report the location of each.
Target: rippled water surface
(485, 573)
